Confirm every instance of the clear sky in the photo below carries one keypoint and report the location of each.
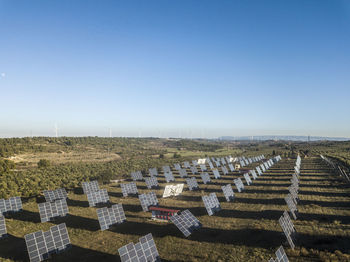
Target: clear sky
(175, 68)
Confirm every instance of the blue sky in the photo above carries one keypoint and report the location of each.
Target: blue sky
(175, 68)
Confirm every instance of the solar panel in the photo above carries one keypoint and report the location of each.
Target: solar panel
(177, 166)
(3, 231)
(151, 182)
(110, 216)
(266, 165)
(97, 197)
(253, 173)
(13, 204)
(186, 222)
(129, 188)
(223, 161)
(145, 251)
(239, 184)
(187, 164)
(205, 177)
(182, 172)
(166, 169)
(136, 176)
(52, 195)
(192, 183)
(194, 170)
(224, 170)
(153, 171)
(173, 190)
(217, 163)
(231, 167)
(195, 162)
(281, 255)
(242, 163)
(147, 200)
(291, 205)
(247, 179)
(258, 170)
(216, 173)
(49, 210)
(169, 177)
(262, 168)
(203, 167)
(211, 203)
(41, 244)
(211, 165)
(228, 192)
(288, 228)
(90, 186)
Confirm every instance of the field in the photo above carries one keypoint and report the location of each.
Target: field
(246, 229)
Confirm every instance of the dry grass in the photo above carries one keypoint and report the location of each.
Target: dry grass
(244, 230)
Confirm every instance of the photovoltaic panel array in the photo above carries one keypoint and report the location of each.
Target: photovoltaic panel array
(151, 182)
(187, 164)
(258, 170)
(147, 200)
(224, 170)
(13, 204)
(182, 172)
(3, 231)
(129, 189)
(166, 169)
(169, 177)
(231, 167)
(153, 171)
(203, 167)
(205, 177)
(52, 195)
(173, 190)
(186, 222)
(262, 168)
(145, 251)
(97, 197)
(228, 192)
(247, 179)
(211, 165)
(216, 173)
(41, 244)
(136, 176)
(281, 255)
(194, 170)
(211, 203)
(192, 183)
(49, 210)
(291, 205)
(288, 228)
(110, 216)
(253, 173)
(239, 184)
(90, 186)
(177, 166)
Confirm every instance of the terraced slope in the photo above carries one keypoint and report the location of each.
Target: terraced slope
(244, 230)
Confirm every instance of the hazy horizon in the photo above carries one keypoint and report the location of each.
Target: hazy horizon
(175, 69)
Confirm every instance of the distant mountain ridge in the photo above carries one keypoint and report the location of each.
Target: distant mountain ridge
(289, 138)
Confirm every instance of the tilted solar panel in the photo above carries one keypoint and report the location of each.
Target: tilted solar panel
(192, 183)
(97, 197)
(3, 231)
(239, 184)
(151, 182)
(129, 188)
(110, 216)
(147, 200)
(205, 178)
(41, 244)
(145, 251)
(186, 222)
(228, 192)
